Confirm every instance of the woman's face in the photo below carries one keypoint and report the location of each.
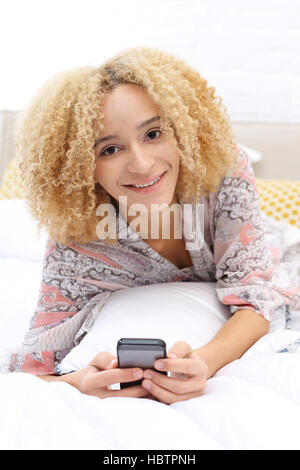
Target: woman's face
(133, 150)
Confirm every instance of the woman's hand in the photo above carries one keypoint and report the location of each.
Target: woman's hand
(189, 375)
(102, 372)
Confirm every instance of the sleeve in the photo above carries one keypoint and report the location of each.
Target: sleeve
(76, 282)
(244, 267)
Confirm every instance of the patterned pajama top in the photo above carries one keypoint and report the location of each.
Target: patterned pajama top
(254, 260)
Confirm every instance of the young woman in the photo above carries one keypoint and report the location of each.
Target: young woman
(99, 135)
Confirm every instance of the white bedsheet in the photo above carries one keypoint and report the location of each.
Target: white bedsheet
(252, 403)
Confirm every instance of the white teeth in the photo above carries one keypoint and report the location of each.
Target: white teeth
(145, 185)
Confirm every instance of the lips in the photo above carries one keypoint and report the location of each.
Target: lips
(145, 181)
(148, 189)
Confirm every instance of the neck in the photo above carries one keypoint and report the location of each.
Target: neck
(156, 226)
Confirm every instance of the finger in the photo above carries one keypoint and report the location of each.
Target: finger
(166, 396)
(181, 375)
(192, 355)
(179, 349)
(136, 391)
(104, 360)
(105, 378)
(185, 366)
(151, 397)
(175, 385)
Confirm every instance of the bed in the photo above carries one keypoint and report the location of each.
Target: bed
(252, 403)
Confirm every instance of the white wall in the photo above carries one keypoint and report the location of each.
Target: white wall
(250, 51)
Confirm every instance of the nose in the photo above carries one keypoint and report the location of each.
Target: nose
(141, 160)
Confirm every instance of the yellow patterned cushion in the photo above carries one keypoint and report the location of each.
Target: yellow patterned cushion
(280, 199)
(9, 189)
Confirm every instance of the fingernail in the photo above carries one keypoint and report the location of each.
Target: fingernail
(147, 384)
(159, 365)
(111, 364)
(138, 374)
(148, 374)
(172, 355)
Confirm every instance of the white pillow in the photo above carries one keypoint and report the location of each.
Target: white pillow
(254, 155)
(18, 234)
(172, 311)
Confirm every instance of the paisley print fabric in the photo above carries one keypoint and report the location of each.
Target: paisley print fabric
(253, 259)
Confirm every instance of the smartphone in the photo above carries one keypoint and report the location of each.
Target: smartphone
(140, 352)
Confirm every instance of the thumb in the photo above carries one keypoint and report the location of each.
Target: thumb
(111, 363)
(179, 349)
(104, 360)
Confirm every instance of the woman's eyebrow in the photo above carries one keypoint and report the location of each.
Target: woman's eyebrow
(140, 126)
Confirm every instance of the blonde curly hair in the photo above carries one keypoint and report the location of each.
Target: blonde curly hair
(56, 135)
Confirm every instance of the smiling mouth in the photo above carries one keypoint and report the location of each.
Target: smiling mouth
(151, 188)
(146, 185)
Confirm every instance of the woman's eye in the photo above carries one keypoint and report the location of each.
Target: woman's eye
(108, 148)
(152, 133)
